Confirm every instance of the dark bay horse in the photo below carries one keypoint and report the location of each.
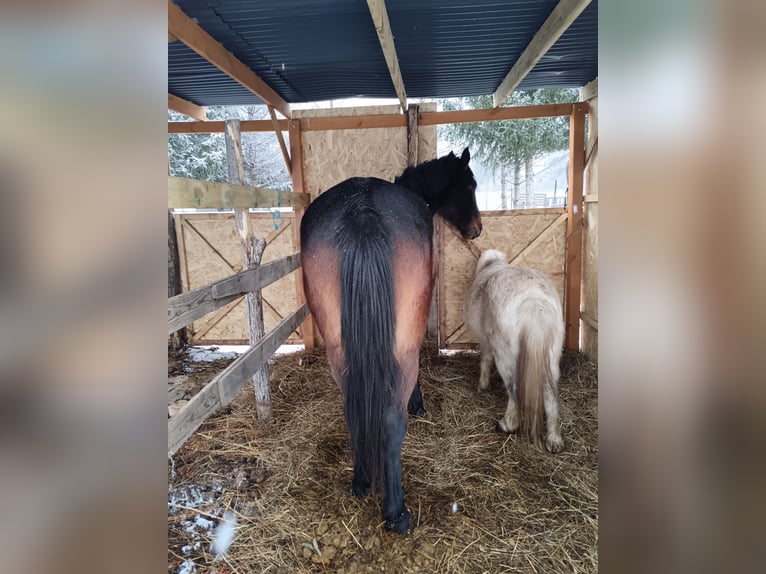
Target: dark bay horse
(368, 274)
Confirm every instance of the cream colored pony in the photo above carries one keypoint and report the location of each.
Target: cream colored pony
(515, 315)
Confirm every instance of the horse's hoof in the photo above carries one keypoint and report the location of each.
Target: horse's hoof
(418, 413)
(402, 523)
(359, 489)
(500, 429)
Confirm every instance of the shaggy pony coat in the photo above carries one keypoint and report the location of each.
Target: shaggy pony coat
(515, 315)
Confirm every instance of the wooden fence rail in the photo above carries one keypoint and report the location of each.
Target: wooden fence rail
(201, 194)
(222, 389)
(192, 305)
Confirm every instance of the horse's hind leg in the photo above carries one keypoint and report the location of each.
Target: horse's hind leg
(415, 405)
(398, 518)
(553, 441)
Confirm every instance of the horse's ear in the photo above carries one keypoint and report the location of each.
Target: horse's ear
(466, 157)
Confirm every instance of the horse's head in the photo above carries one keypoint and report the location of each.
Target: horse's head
(457, 203)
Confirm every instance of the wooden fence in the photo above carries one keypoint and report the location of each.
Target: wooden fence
(190, 306)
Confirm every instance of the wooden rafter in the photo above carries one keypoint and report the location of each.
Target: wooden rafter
(281, 139)
(191, 34)
(562, 16)
(383, 28)
(186, 108)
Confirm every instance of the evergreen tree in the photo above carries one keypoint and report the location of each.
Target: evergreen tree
(508, 146)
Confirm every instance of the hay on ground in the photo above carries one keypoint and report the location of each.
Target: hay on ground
(519, 509)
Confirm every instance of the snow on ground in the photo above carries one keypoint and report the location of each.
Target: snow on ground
(215, 352)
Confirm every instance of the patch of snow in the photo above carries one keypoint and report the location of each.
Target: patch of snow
(209, 354)
(224, 534)
(203, 523)
(450, 352)
(188, 567)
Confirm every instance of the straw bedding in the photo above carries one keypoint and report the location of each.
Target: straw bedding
(516, 508)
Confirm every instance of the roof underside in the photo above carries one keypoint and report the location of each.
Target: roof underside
(313, 50)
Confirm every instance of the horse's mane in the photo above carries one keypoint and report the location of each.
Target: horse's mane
(429, 178)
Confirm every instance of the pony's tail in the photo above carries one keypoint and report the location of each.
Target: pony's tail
(535, 341)
(367, 334)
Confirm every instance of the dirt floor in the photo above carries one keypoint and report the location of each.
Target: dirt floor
(481, 501)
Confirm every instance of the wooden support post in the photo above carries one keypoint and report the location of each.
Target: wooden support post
(178, 338)
(296, 172)
(573, 279)
(252, 251)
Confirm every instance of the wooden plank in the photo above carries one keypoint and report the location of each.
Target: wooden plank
(281, 139)
(384, 120)
(178, 338)
(198, 193)
(491, 114)
(252, 280)
(589, 91)
(192, 305)
(224, 387)
(593, 198)
(562, 16)
(186, 107)
(354, 122)
(590, 321)
(386, 38)
(533, 211)
(542, 236)
(213, 320)
(574, 256)
(412, 135)
(212, 127)
(296, 157)
(191, 34)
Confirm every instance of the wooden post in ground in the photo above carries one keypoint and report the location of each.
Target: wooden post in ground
(252, 251)
(296, 173)
(177, 339)
(573, 279)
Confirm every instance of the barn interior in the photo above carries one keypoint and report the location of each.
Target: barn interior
(262, 436)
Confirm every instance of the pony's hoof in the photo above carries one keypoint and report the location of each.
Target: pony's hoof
(359, 489)
(554, 444)
(402, 523)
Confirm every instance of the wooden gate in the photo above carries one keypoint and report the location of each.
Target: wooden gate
(210, 250)
(530, 237)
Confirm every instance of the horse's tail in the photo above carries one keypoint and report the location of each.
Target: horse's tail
(536, 337)
(367, 333)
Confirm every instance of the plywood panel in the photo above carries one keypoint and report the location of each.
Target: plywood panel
(332, 156)
(510, 232)
(212, 251)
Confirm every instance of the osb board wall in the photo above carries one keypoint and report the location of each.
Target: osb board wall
(589, 306)
(210, 250)
(331, 156)
(535, 238)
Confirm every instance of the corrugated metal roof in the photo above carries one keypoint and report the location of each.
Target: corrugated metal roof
(312, 50)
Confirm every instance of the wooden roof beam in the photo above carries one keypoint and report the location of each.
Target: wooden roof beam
(191, 34)
(562, 16)
(383, 28)
(186, 108)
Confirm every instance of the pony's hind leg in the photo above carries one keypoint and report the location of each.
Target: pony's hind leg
(553, 441)
(485, 368)
(415, 405)
(398, 518)
(505, 366)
